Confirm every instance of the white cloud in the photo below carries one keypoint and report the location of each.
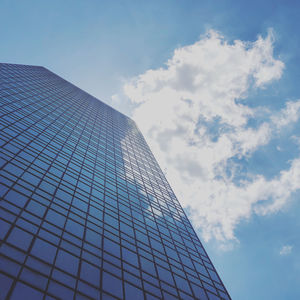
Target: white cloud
(194, 115)
(290, 114)
(286, 250)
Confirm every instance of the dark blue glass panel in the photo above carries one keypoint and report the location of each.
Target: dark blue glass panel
(212, 296)
(67, 262)
(20, 238)
(75, 228)
(199, 292)
(44, 250)
(5, 284)
(112, 285)
(132, 292)
(129, 256)
(34, 278)
(55, 218)
(16, 198)
(111, 247)
(23, 291)
(182, 284)
(60, 291)
(4, 228)
(36, 208)
(165, 275)
(90, 273)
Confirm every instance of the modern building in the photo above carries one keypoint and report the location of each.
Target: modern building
(85, 210)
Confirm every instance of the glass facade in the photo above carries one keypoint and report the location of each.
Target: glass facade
(85, 210)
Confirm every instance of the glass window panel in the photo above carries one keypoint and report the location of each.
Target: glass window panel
(111, 247)
(212, 296)
(182, 284)
(13, 253)
(132, 292)
(43, 250)
(199, 292)
(16, 198)
(64, 278)
(93, 237)
(90, 273)
(34, 278)
(129, 256)
(112, 285)
(20, 238)
(4, 228)
(165, 275)
(67, 262)
(60, 291)
(55, 218)
(75, 228)
(23, 291)
(36, 208)
(5, 283)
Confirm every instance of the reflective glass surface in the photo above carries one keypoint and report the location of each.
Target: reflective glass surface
(85, 210)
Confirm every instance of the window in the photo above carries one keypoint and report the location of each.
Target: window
(23, 291)
(43, 250)
(20, 238)
(132, 292)
(90, 273)
(112, 285)
(67, 262)
(16, 198)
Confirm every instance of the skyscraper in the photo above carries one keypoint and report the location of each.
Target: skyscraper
(85, 210)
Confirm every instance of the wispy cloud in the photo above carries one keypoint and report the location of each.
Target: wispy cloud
(290, 114)
(194, 115)
(286, 250)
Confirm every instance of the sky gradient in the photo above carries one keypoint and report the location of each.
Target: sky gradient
(214, 87)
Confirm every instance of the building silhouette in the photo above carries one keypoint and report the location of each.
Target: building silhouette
(85, 210)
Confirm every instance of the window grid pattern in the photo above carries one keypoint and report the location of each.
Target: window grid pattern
(85, 210)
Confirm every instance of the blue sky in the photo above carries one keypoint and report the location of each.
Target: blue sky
(228, 133)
